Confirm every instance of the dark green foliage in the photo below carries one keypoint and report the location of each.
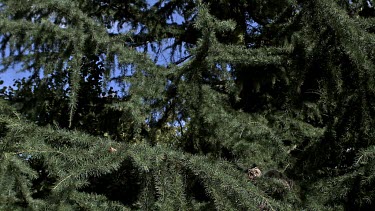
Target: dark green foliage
(136, 109)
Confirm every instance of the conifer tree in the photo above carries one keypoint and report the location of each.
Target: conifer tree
(259, 105)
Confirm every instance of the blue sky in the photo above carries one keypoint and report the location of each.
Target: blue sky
(12, 74)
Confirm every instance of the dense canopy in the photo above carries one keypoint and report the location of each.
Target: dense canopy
(188, 105)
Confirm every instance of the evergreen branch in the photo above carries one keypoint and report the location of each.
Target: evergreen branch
(62, 181)
(37, 151)
(358, 160)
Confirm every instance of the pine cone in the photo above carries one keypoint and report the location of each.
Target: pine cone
(254, 173)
